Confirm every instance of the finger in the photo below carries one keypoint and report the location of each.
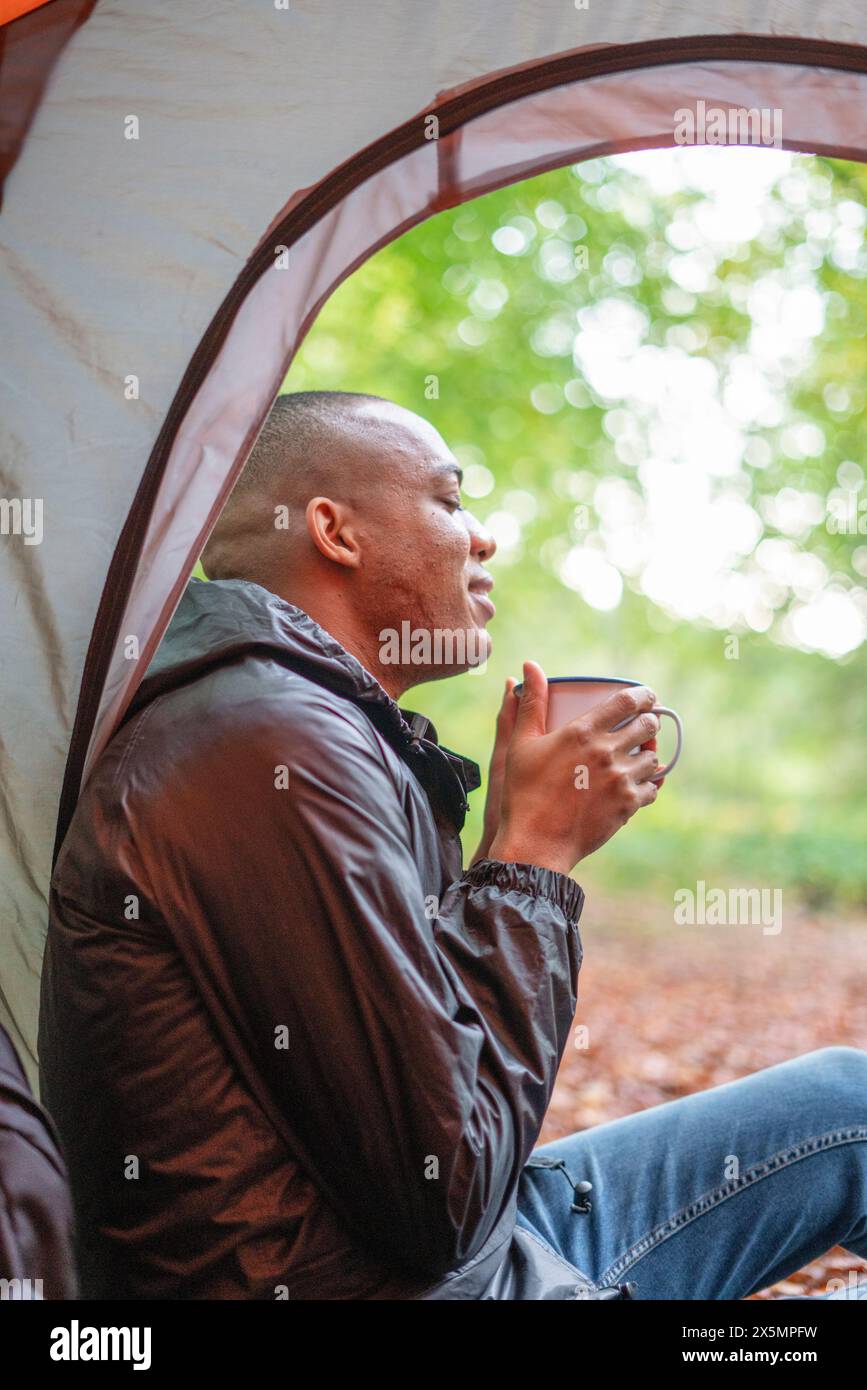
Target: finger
(624, 704)
(647, 793)
(533, 703)
(508, 710)
(652, 746)
(643, 766)
(637, 731)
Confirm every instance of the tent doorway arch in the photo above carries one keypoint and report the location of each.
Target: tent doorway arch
(221, 323)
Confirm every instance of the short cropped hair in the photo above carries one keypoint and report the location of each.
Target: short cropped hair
(303, 449)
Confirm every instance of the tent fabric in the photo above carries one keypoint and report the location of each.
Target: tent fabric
(29, 49)
(149, 324)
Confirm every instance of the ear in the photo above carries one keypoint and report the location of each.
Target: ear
(333, 530)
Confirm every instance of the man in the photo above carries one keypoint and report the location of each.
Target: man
(294, 1048)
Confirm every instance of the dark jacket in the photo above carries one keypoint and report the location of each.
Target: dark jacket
(292, 1047)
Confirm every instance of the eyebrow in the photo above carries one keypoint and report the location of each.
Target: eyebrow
(444, 468)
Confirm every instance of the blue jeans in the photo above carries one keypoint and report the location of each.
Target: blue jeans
(718, 1194)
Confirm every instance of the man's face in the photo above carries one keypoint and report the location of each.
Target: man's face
(423, 552)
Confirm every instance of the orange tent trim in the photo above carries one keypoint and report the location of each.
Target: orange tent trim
(14, 9)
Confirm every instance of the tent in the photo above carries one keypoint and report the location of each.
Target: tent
(183, 185)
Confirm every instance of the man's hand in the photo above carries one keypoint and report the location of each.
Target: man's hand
(551, 816)
(496, 770)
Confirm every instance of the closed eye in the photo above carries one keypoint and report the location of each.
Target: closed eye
(454, 504)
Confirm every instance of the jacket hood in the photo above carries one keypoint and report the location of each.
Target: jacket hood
(219, 621)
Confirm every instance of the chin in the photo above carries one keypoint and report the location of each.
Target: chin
(483, 645)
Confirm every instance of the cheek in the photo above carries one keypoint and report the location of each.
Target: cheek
(450, 540)
(445, 563)
(420, 551)
(441, 575)
(435, 539)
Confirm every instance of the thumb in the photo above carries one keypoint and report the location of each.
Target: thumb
(533, 703)
(508, 711)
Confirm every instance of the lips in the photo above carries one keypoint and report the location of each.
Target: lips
(480, 594)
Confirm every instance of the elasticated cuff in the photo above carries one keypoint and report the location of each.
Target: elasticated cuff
(532, 879)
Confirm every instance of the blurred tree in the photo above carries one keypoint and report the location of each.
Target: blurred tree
(652, 369)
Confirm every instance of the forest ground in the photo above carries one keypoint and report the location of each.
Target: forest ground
(672, 1010)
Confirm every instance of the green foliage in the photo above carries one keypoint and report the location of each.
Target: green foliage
(486, 321)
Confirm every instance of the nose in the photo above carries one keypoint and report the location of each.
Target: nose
(482, 543)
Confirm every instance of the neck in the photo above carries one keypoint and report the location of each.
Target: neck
(353, 634)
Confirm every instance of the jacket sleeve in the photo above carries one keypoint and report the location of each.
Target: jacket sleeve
(411, 1056)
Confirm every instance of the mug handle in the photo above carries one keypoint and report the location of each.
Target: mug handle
(664, 771)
